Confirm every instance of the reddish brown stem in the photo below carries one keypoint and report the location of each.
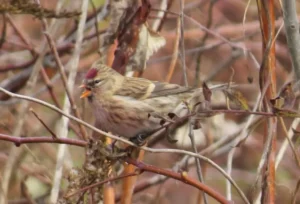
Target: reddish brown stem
(267, 80)
(26, 140)
(180, 177)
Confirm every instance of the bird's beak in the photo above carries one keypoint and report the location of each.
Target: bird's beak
(86, 92)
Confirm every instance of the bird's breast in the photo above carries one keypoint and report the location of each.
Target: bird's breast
(123, 118)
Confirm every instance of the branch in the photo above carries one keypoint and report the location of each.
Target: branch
(182, 53)
(18, 141)
(68, 85)
(178, 176)
(291, 25)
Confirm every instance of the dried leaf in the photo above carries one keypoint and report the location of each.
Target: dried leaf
(128, 34)
(237, 98)
(288, 96)
(136, 41)
(277, 102)
(285, 113)
(206, 92)
(149, 42)
(116, 13)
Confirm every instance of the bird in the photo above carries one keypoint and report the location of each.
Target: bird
(130, 106)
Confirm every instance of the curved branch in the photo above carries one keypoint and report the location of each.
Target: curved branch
(178, 176)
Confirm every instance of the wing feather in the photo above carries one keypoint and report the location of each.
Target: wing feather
(144, 89)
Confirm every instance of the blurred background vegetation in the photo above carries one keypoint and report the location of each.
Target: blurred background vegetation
(209, 58)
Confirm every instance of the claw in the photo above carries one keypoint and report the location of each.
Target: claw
(139, 139)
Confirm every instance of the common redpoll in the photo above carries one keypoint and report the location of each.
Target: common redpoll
(123, 105)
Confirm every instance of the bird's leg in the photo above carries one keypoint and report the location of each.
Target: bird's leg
(140, 138)
(112, 155)
(110, 152)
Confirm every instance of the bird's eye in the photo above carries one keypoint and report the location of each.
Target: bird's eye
(97, 81)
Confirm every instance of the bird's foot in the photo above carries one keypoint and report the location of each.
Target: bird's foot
(140, 139)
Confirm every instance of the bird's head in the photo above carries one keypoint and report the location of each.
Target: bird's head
(99, 79)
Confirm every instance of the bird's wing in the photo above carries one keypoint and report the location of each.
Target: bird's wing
(165, 89)
(143, 89)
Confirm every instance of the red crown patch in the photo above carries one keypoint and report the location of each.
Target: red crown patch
(91, 73)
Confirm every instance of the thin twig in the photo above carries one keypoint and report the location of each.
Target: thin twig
(175, 53)
(197, 161)
(21, 35)
(182, 53)
(15, 152)
(197, 80)
(96, 22)
(69, 85)
(161, 15)
(290, 142)
(65, 81)
(43, 123)
(202, 27)
(294, 198)
(3, 32)
(242, 137)
(229, 169)
(189, 51)
(18, 141)
(183, 64)
(285, 144)
(291, 24)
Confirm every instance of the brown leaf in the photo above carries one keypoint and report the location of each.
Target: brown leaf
(129, 38)
(148, 43)
(288, 96)
(206, 92)
(277, 102)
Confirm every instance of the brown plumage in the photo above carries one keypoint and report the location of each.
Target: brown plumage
(122, 105)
